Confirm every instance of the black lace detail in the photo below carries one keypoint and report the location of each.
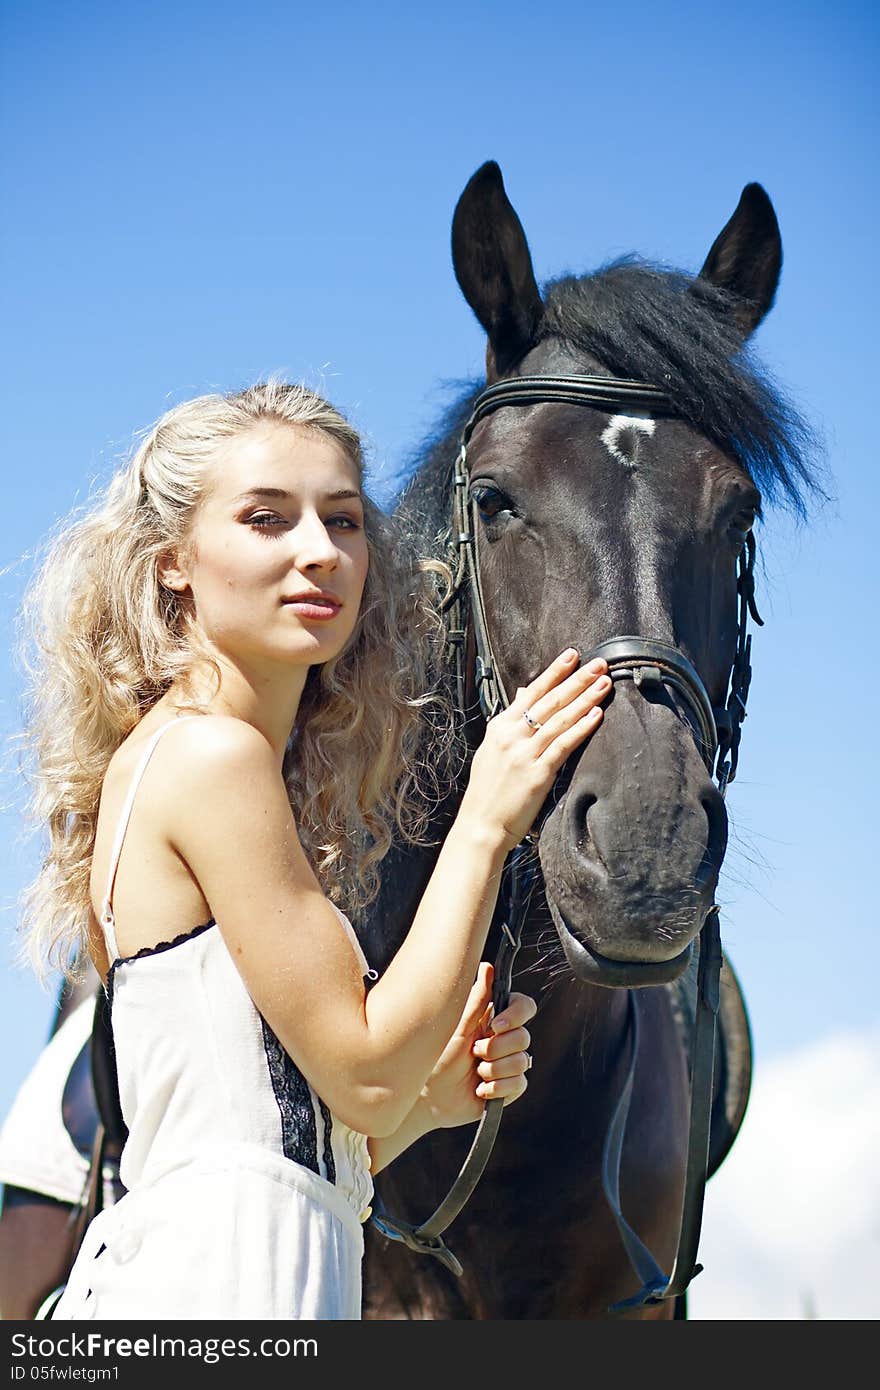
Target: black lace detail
(167, 945)
(153, 951)
(329, 1162)
(299, 1131)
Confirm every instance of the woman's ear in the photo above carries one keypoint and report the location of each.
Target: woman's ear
(171, 574)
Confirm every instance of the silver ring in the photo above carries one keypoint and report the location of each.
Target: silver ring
(531, 1060)
(532, 723)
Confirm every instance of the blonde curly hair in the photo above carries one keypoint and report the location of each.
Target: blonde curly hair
(102, 640)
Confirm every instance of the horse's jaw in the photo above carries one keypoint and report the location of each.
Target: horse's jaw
(594, 969)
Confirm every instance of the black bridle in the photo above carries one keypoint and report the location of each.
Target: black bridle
(649, 664)
(640, 659)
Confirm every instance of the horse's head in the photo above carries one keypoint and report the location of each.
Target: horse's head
(625, 521)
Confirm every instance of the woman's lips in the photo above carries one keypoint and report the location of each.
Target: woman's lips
(313, 608)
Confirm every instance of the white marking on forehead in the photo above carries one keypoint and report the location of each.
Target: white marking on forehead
(617, 426)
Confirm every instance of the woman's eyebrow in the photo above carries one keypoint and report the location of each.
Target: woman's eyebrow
(280, 494)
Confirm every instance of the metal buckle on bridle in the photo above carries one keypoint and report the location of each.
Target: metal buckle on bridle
(395, 1229)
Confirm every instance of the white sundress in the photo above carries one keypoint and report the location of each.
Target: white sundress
(245, 1196)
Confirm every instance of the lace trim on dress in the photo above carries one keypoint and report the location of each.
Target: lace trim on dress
(329, 1161)
(293, 1096)
(156, 950)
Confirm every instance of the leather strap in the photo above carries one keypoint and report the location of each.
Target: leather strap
(657, 1286)
(603, 392)
(427, 1237)
(640, 1257)
(649, 662)
(703, 1056)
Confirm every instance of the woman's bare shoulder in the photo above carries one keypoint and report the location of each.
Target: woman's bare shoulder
(203, 753)
(218, 736)
(218, 773)
(219, 755)
(222, 737)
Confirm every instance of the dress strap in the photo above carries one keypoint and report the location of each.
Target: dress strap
(353, 938)
(107, 921)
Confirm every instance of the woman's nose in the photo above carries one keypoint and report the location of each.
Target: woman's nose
(313, 544)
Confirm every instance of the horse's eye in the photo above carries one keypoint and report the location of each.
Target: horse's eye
(490, 502)
(742, 523)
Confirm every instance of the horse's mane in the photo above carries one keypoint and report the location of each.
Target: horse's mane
(650, 323)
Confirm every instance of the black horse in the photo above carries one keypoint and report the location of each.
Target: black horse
(592, 522)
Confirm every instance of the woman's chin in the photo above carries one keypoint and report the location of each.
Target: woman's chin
(310, 648)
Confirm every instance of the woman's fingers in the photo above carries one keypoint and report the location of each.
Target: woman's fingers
(517, 1064)
(561, 708)
(502, 1044)
(566, 713)
(504, 1058)
(553, 690)
(509, 1035)
(520, 1008)
(506, 1090)
(513, 769)
(557, 675)
(559, 746)
(476, 1012)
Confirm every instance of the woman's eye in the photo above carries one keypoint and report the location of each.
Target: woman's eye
(490, 502)
(265, 521)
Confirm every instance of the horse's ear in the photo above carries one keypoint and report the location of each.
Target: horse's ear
(492, 265)
(746, 258)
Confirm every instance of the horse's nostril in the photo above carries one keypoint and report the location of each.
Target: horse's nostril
(716, 839)
(585, 803)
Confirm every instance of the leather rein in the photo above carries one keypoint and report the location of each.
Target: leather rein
(650, 665)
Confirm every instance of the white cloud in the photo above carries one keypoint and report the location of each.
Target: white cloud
(791, 1225)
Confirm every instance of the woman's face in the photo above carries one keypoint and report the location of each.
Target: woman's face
(282, 520)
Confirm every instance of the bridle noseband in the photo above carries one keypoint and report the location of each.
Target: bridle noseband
(649, 663)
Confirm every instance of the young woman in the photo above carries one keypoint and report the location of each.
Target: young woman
(235, 673)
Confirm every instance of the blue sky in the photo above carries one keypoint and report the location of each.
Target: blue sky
(196, 195)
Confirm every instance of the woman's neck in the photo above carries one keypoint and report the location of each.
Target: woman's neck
(268, 702)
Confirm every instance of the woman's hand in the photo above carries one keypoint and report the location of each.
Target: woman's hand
(485, 1059)
(516, 764)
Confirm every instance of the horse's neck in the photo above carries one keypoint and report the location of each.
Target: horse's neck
(405, 872)
(575, 1019)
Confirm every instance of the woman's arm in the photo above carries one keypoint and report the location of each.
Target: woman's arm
(366, 1056)
(231, 823)
(415, 1126)
(485, 1059)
